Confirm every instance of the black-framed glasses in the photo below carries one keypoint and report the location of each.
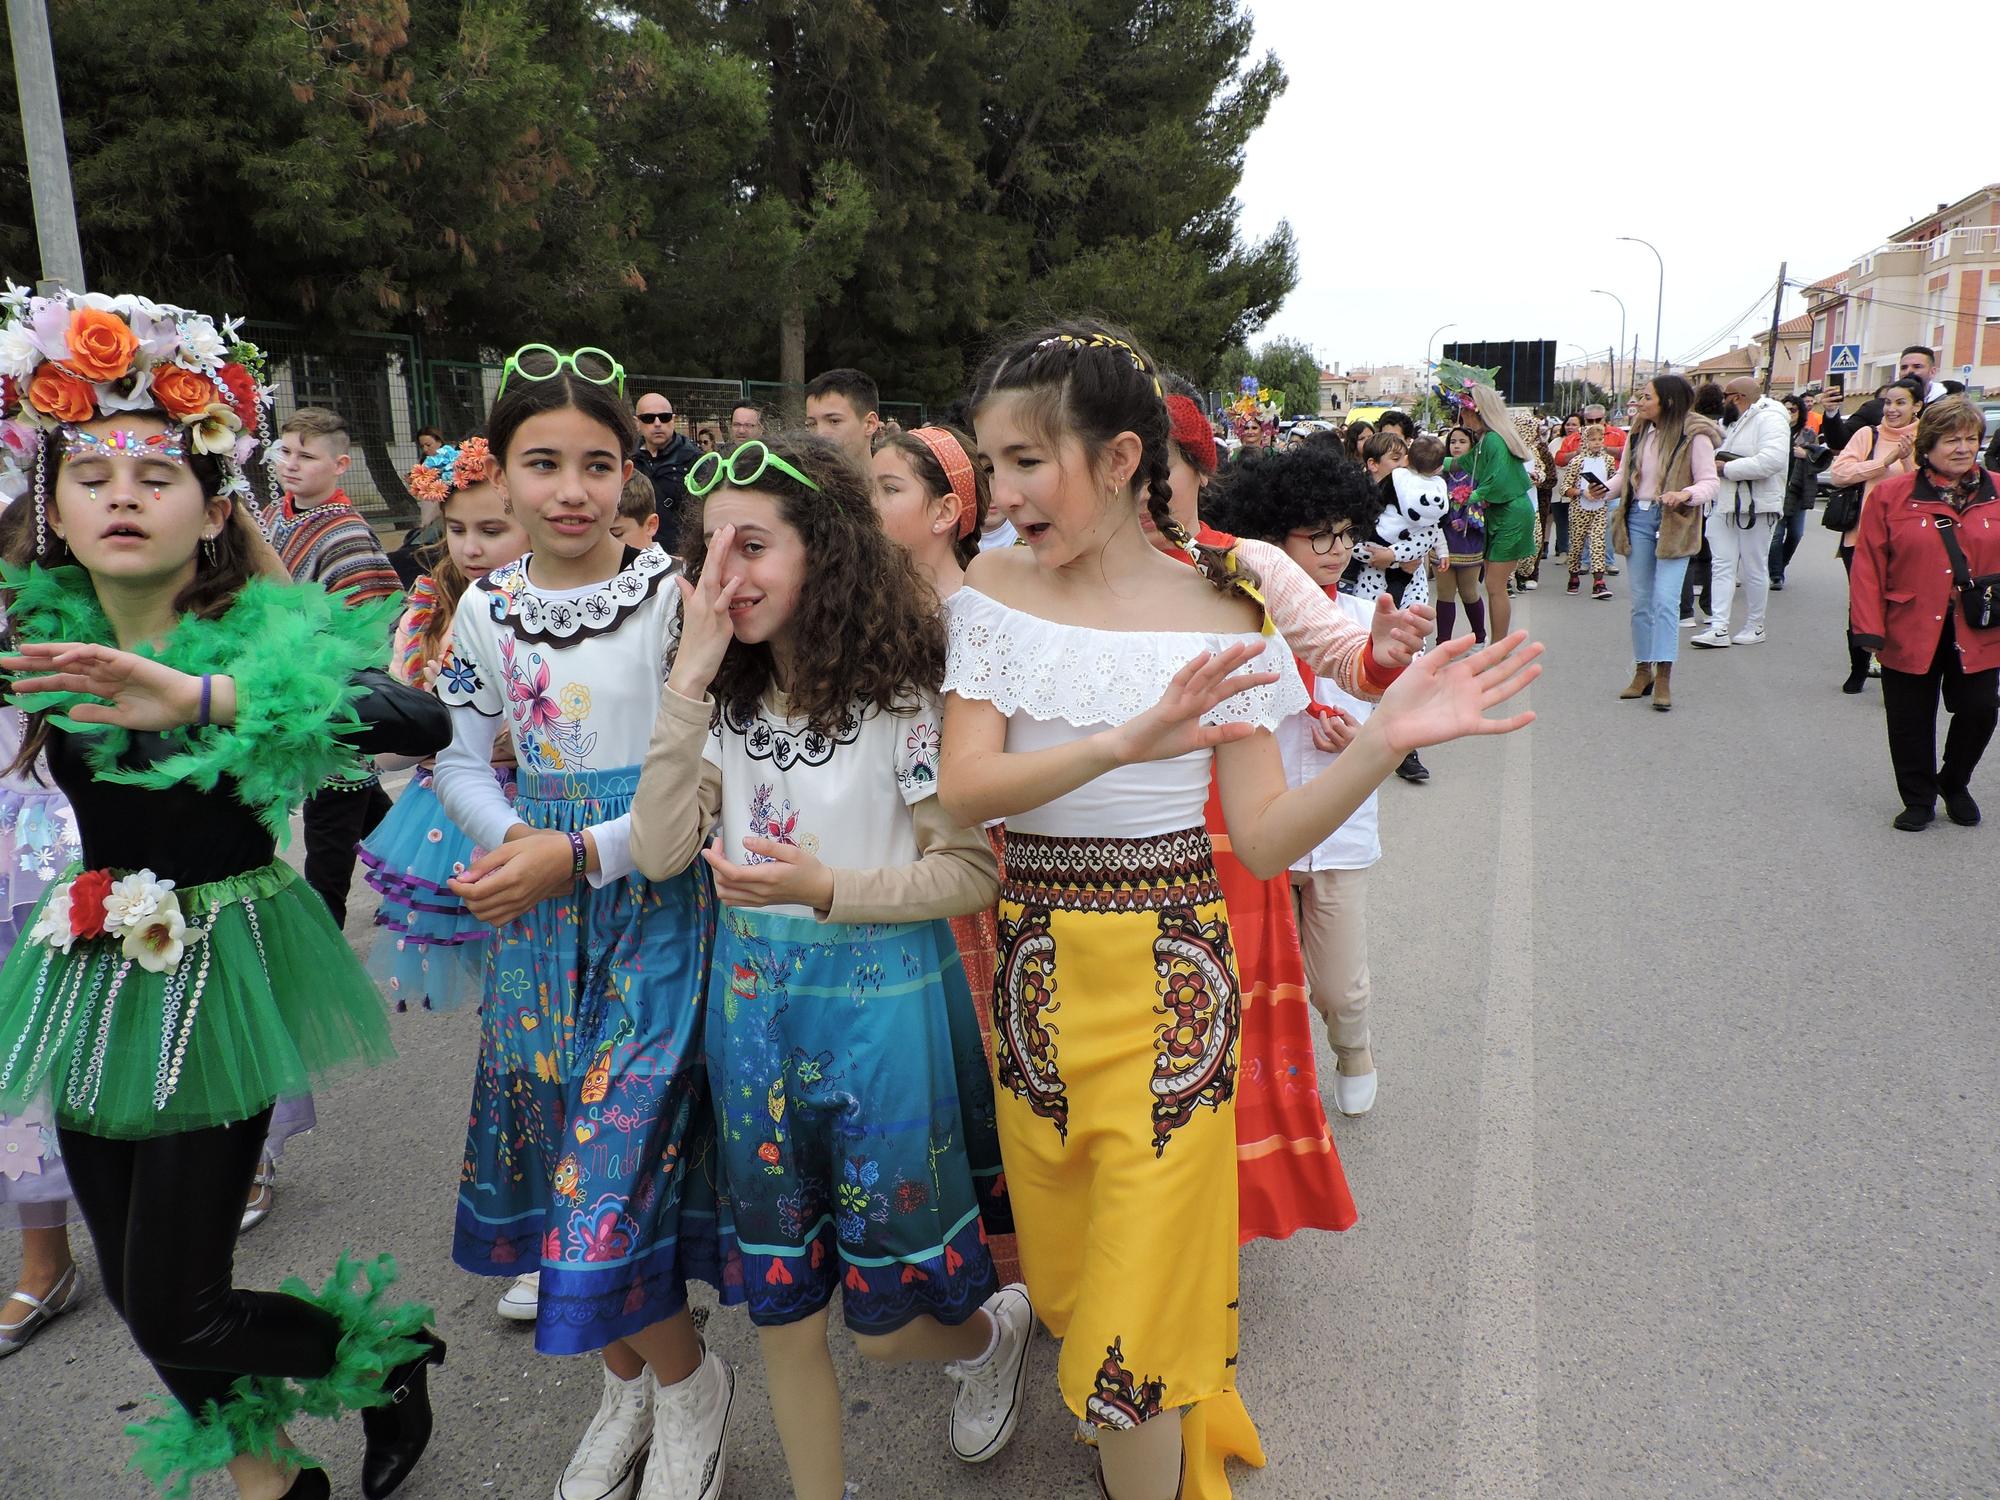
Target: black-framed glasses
(656, 416)
(1326, 539)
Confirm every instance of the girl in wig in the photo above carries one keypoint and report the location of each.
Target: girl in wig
(1501, 493)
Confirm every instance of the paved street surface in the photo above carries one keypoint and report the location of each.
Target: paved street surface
(1681, 1182)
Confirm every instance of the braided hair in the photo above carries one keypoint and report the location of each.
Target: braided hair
(1089, 381)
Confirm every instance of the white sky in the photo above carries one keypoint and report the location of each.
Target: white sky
(1419, 198)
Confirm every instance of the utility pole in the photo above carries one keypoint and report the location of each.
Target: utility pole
(48, 155)
(1777, 304)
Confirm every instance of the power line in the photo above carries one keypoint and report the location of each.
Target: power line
(1726, 331)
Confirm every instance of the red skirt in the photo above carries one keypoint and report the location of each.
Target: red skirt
(1288, 1174)
(978, 939)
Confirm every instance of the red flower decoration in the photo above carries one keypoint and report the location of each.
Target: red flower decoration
(768, 1152)
(240, 390)
(86, 903)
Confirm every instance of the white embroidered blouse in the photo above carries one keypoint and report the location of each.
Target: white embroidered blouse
(576, 672)
(1057, 683)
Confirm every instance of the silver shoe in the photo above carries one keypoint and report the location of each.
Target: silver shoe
(263, 1194)
(42, 1311)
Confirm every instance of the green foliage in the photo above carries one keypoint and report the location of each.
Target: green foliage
(1289, 366)
(702, 185)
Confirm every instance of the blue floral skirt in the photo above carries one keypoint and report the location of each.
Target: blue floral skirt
(856, 1115)
(590, 1153)
(430, 949)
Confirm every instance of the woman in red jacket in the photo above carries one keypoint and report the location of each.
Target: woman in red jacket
(1907, 610)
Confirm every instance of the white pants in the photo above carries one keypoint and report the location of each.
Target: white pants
(1747, 554)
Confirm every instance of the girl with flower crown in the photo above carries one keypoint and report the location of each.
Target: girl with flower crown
(167, 994)
(430, 948)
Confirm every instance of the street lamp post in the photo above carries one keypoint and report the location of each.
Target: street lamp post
(1598, 291)
(1427, 351)
(1659, 296)
(1584, 375)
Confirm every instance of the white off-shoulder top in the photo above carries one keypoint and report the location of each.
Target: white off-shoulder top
(1057, 683)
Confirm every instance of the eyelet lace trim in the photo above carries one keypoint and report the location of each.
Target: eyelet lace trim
(1021, 663)
(579, 617)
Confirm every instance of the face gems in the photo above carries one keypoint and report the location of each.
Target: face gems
(78, 444)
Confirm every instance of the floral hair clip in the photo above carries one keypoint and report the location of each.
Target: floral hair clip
(78, 444)
(1105, 341)
(451, 469)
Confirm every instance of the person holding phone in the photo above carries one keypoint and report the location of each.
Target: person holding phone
(1586, 485)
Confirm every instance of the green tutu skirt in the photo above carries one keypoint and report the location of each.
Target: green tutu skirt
(268, 1000)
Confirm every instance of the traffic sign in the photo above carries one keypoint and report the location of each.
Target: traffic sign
(1965, 372)
(1845, 359)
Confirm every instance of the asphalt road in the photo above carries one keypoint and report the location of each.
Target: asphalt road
(1681, 1182)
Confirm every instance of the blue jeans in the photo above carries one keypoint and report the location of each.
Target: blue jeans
(1785, 541)
(1655, 587)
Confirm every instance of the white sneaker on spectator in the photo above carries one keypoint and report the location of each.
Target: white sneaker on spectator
(1749, 635)
(519, 1303)
(691, 1433)
(605, 1465)
(1355, 1095)
(987, 1407)
(1717, 634)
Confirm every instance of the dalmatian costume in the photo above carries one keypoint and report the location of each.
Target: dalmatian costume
(1411, 526)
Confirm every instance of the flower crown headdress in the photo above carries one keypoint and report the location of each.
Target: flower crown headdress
(449, 469)
(78, 357)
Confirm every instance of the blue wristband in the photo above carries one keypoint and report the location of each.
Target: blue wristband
(207, 686)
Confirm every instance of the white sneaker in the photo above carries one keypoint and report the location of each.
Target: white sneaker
(691, 1433)
(605, 1465)
(1749, 635)
(1715, 635)
(519, 1303)
(987, 1407)
(1356, 1095)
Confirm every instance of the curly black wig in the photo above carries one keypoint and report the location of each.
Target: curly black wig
(1312, 485)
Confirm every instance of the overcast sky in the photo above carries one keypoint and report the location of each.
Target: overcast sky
(1419, 197)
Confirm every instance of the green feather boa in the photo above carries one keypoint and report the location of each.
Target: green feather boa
(292, 649)
(176, 1445)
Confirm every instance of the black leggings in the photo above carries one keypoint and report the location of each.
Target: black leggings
(164, 1215)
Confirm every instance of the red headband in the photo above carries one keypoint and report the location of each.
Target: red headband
(1193, 432)
(957, 470)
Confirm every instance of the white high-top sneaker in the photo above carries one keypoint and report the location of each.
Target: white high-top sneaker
(988, 1404)
(691, 1433)
(605, 1465)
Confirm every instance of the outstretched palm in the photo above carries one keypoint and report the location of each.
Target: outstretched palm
(138, 692)
(1173, 727)
(1444, 694)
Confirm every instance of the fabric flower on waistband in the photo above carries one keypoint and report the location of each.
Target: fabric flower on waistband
(138, 911)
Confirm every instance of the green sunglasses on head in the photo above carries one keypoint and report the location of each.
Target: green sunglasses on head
(540, 362)
(711, 469)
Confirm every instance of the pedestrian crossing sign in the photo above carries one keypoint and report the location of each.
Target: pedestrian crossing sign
(1845, 360)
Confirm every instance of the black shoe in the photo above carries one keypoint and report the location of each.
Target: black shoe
(1856, 681)
(1915, 819)
(398, 1433)
(1961, 809)
(1777, 585)
(1413, 769)
(311, 1484)
(1610, 572)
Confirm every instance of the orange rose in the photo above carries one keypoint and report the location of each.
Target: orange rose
(58, 394)
(101, 344)
(182, 393)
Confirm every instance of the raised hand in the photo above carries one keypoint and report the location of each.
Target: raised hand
(1172, 727)
(138, 692)
(1446, 692)
(1398, 634)
(706, 629)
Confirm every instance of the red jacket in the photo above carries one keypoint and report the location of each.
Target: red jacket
(1614, 441)
(1902, 584)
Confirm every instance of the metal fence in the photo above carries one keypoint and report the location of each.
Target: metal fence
(388, 388)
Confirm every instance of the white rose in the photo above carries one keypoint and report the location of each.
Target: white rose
(157, 944)
(133, 898)
(201, 345)
(52, 926)
(18, 354)
(139, 398)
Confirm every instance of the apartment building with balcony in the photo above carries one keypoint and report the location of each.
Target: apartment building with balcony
(1934, 282)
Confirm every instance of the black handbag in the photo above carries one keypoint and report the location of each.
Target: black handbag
(1978, 597)
(1843, 506)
